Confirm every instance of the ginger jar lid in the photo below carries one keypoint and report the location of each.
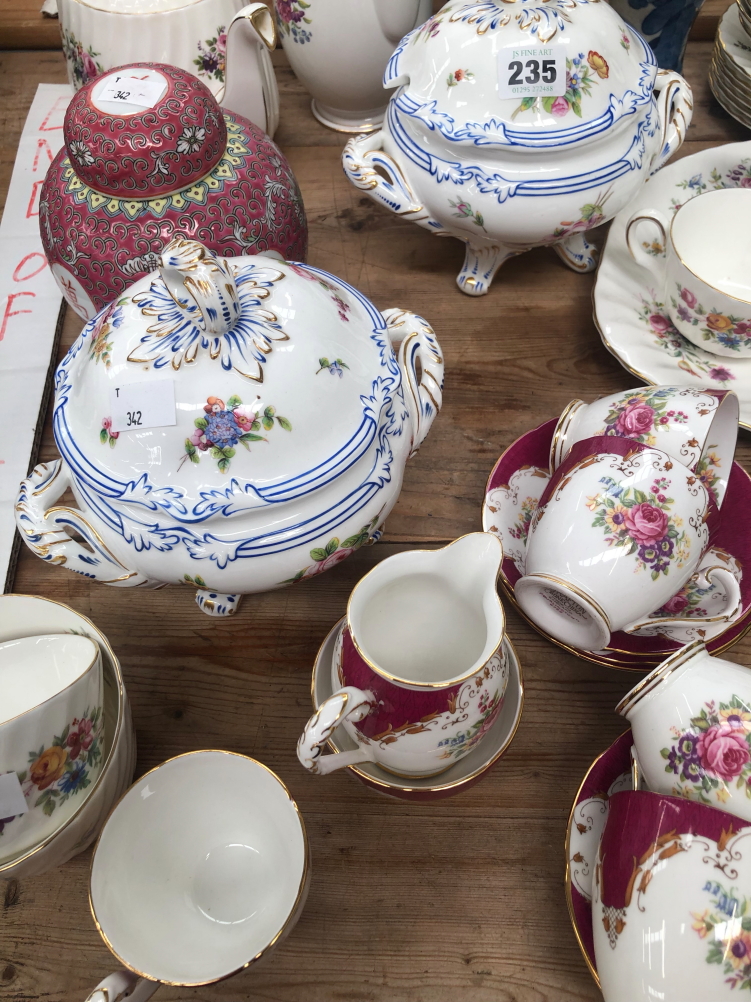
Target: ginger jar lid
(521, 74)
(168, 136)
(283, 377)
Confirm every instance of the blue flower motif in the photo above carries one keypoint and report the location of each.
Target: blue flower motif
(74, 780)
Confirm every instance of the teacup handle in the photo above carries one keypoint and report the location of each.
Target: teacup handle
(349, 703)
(201, 284)
(637, 251)
(423, 392)
(123, 985)
(704, 577)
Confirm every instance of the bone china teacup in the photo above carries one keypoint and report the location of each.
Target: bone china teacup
(705, 273)
(671, 901)
(619, 530)
(691, 721)
(51, 730)
(418, 671)
(201, 870)
(697, 426)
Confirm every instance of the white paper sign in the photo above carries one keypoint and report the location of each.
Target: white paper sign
(129, 90)
(12, 800)
(137, 406)
(532, 71)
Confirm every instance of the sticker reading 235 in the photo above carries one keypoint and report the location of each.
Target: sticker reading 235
(536, 71)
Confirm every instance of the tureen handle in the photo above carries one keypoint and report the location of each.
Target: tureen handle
(362, 158)
(45, 527)
(349, 703)
(123, 985)
(251, 88)
(201, 284)
(675, 107)
(419, 346)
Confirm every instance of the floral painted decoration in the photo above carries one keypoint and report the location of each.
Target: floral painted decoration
(325, 557)
(465, 211)
(226, 425)
(706, 470)
(685, 603)
(690, 359)
(107, 434)
(336, 368)
(590, 215)
(737, 177)
(212, 56)
(728, 330)
(343, 307)
(581, 73)
(641, 415)
(527, 509)
(82, 62)
(655, 248)
(642, 523)
(458, 745)
(59, 771)
(457, 76)
(290, 16)
(712, 753)
(625, 41)
(429, 29)
(101, 329)
(727, 927)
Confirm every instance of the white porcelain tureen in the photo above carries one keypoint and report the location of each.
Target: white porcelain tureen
(517, 124)
(236, 425)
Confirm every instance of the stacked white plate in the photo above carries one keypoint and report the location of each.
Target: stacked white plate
(730, 71)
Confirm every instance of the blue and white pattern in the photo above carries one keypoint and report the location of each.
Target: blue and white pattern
(542, 20)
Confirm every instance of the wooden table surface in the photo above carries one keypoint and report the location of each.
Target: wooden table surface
(457, 901)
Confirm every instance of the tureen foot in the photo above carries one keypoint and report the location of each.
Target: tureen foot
(480, 265)
(578, 253)
(217, 603)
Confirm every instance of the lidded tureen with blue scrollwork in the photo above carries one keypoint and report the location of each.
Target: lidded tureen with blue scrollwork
(520, 123)
(235, 425)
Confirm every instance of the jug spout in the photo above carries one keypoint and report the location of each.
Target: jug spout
(250, 88)
(397, 17)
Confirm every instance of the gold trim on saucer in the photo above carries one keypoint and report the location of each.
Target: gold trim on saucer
(657, 675)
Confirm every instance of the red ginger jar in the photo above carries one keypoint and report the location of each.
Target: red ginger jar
(130, 179)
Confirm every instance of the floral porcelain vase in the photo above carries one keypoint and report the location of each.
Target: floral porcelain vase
(234, 425)
(130, 178)
(520, 124)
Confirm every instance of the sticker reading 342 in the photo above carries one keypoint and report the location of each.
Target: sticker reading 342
(138, 406)
(532, 71)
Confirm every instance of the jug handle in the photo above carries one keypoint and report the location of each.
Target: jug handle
(251, 91)
(423, 391)
(675, 107)
(41, 525)
(349, 703)
(123, 985)
(704, 578)
(361, 159)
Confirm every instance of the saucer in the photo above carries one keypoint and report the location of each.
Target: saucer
(515, 486)
(630, 313)
(459, 777)
(608, 774)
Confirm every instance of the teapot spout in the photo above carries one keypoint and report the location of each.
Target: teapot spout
(251, 89)
(397, 17)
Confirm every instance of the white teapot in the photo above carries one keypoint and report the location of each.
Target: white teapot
(517, 124)
(235, 425)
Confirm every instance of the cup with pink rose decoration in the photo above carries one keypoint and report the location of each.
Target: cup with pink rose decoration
(696, 425)
(619, 530)
(691, 722)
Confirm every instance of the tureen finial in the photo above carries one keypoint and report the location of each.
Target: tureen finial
(200, 284)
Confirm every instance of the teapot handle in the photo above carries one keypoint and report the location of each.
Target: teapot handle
(362, 157)
(201, 284)
(42, 526)
(675, 107)
(397, 17)
(348, 703)
(123, 985)
(423, 392)
(251, 88)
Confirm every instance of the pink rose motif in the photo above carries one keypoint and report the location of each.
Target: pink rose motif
(244, 416)
(335, 558)
(646, 523)
(660, 323)
(107, 423)
(746, 182)
(723, 750)
(559, 107)
(221, 42)
(676, 604)
(689, 298)
(198, 439)
(90, 69)
(636, 419)
(114, 434)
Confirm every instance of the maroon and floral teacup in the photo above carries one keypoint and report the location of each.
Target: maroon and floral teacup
(691, 722)
(697, 426)
(619, 530)
(419, 674)
(671, 901)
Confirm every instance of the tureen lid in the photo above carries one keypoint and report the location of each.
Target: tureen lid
(520, 73)
(144, 130)
(283, 376)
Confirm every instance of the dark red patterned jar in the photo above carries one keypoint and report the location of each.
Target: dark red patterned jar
(129, 179)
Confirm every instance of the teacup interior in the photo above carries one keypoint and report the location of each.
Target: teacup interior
(712, 235)
(34, 669)
(198, 868)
